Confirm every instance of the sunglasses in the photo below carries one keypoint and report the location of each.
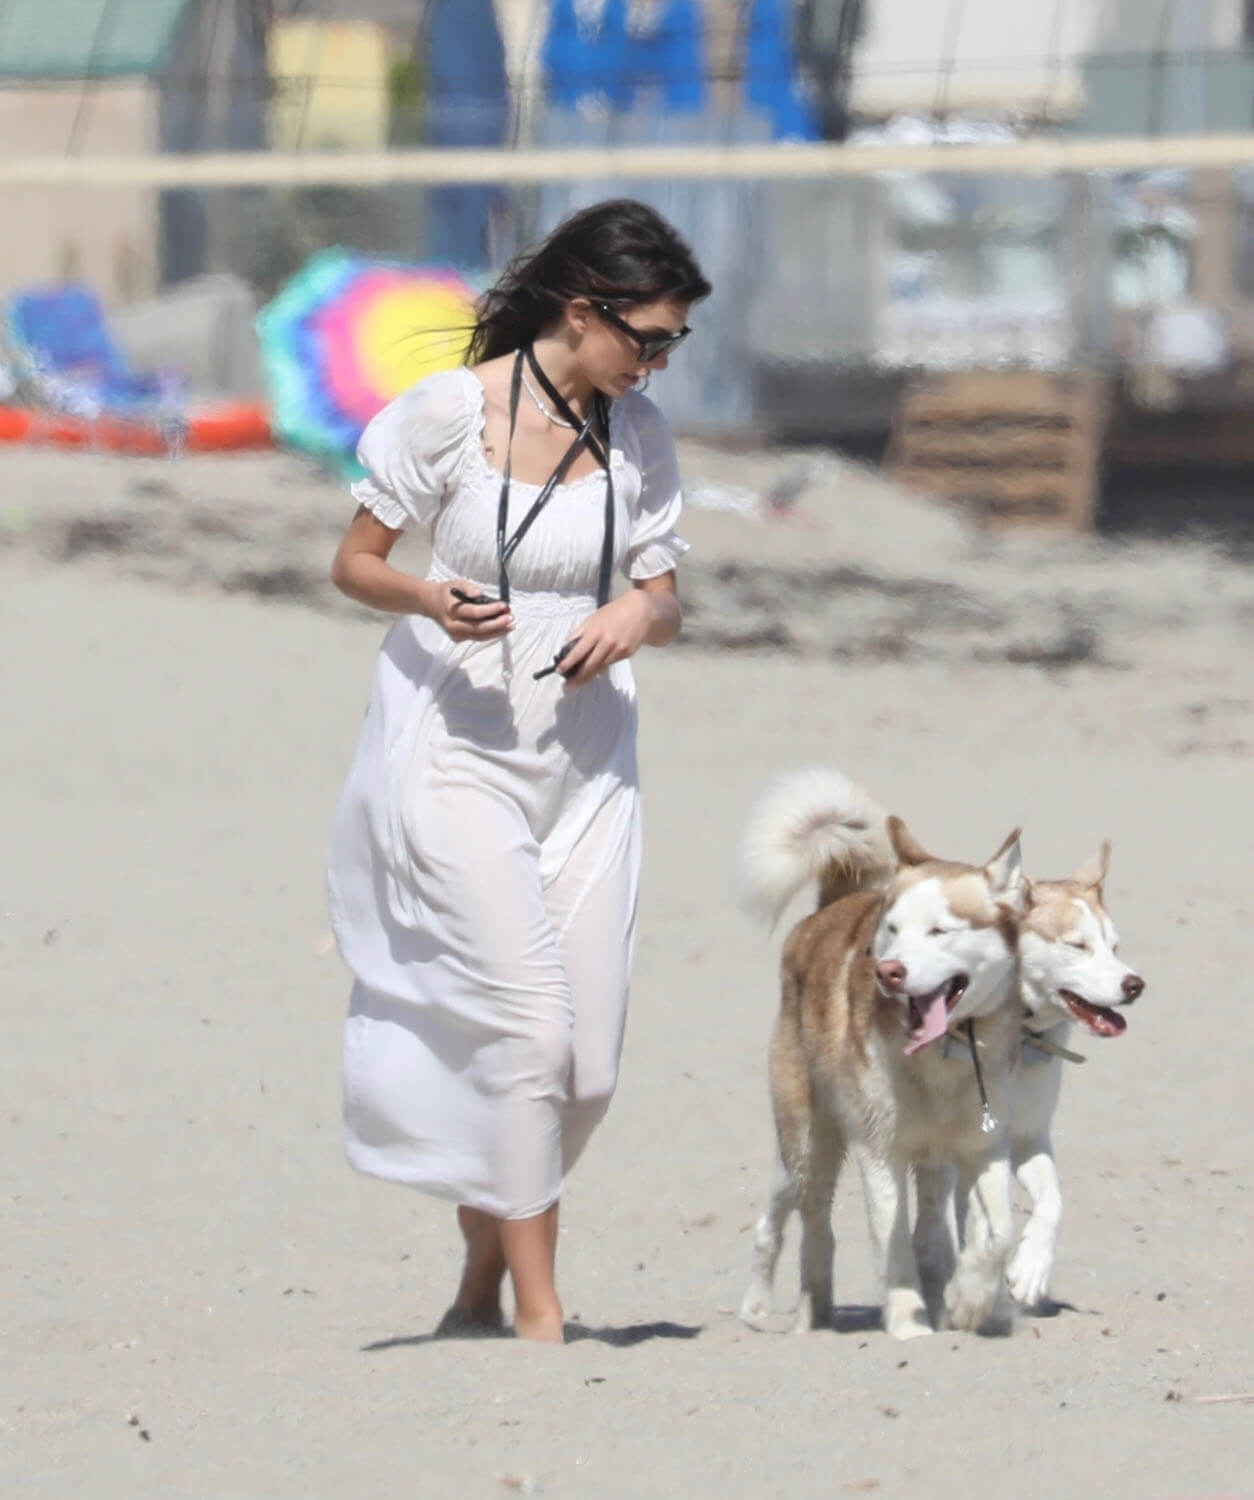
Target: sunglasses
(652, 346)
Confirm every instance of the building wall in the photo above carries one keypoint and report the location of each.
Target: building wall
(1099, 68)
(1169, 67)
(214, 90)
(107, 239)
(1145, 25)
(331, 86)
(933, 55)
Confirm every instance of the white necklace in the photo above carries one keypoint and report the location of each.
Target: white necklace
(544, 410)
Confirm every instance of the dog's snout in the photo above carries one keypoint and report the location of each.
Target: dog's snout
(891, 973)
(1133, 987)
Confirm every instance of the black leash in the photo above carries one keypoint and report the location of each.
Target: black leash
(987, 1123)
(597, 443)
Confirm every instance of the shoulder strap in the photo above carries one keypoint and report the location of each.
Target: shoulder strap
(502, 507)
(597, 442)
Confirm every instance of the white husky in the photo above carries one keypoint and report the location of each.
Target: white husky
(1071, 972)
(904, 951)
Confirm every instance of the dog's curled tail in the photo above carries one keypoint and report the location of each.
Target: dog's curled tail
(812, 825)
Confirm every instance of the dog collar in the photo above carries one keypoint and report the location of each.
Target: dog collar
(1041, 1043)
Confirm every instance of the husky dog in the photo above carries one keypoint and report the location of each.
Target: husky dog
(1070, 973)
(898, 1043)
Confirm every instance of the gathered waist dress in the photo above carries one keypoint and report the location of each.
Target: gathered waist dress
(485, 851)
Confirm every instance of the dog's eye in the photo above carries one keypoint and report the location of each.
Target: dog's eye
(890, 928)
(1077, 943)
(938, 931)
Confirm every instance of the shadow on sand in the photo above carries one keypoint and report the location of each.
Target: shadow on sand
(576, 1333)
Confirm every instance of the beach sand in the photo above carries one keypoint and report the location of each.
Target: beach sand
(202, 1300)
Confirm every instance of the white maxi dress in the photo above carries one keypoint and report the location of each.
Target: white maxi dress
(485, 852)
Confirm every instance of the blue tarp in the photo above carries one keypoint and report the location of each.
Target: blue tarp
(466, 104)
(612, 62)
(772, 84)
(584, 61)
(671, 57)
(617, 64)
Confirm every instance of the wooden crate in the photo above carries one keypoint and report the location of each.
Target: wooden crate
(1015, 446)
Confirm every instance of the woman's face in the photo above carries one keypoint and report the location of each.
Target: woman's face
(619, 347)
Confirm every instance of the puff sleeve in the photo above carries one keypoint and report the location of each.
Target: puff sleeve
(654, 547)
(412, 449)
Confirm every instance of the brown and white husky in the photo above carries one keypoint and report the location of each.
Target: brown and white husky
(897, 1043)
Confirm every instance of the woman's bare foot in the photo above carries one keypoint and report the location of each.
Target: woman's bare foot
(477, 1304)
(542, 1328)
(530, 1247)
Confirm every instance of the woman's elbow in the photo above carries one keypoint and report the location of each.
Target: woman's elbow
(346, 577)
(344, 571)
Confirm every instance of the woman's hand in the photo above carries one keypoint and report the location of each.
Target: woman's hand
(463, 621)
(648, 615)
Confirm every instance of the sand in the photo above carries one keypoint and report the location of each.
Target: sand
(202, 1300)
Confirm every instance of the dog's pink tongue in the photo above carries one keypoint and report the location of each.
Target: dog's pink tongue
(935, 1020)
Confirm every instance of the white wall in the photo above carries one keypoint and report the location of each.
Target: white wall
(107, 238)
(1224, 22)
(1006, 54)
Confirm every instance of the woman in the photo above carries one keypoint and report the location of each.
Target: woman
(485, 855)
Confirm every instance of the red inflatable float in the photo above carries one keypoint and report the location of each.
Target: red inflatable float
(218, 429)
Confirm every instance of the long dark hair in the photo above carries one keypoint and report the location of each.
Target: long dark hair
(620, 251)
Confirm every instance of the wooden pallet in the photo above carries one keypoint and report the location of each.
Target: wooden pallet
(1015, 446)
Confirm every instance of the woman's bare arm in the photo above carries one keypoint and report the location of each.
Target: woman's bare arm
(361, 570)
(668, 617)
(647, 616)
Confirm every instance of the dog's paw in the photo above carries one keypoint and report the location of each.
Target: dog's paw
(1000, 1322)
(755, 1305)
(905, 1316)
(1028, 1276)
(970, 1300)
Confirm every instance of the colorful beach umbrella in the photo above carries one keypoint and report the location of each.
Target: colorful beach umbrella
(346, 334)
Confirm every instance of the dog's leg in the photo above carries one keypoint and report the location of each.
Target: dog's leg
(976, 1295)
(818, 1244)
(884, 1185)
(768, 1239)
(935, 1234)
(1033, 1261)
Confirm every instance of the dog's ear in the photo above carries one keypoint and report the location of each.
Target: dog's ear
(1092, 872)
(1004, 873)
(905, 846)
